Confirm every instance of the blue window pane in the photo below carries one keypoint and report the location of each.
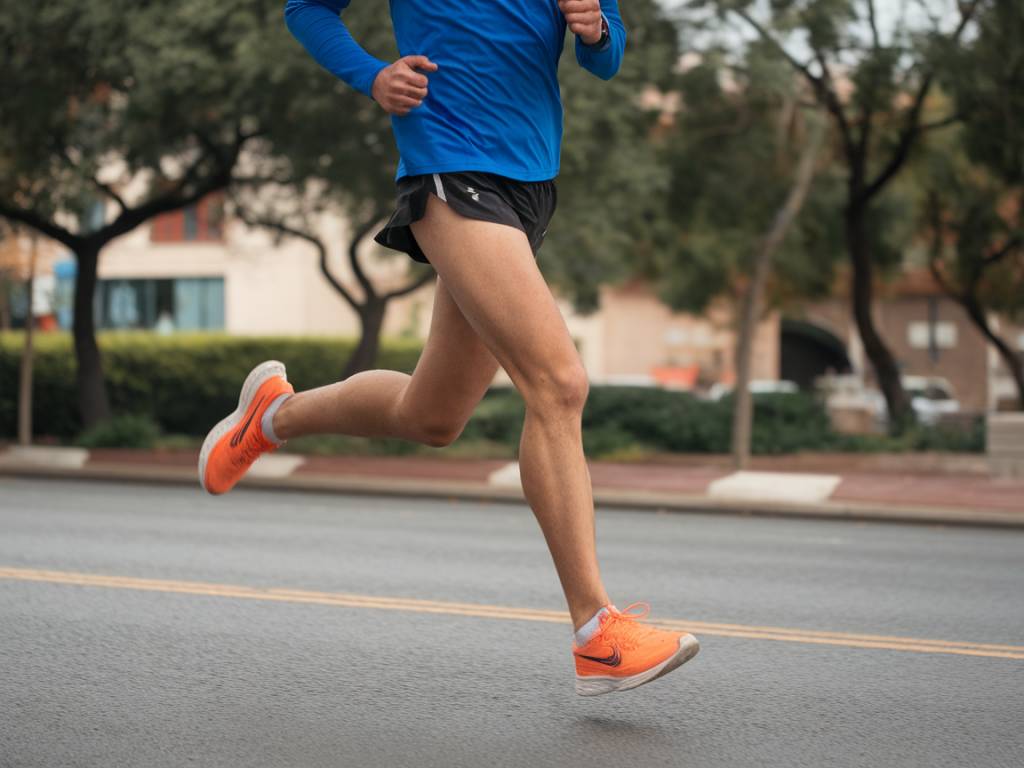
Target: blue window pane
(199, 304)
(166, 305)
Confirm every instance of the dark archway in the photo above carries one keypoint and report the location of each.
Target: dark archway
(807, 351)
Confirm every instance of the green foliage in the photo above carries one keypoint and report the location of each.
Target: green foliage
(499, 417)
(169, 94)
(611, 183)
(973, 175)
(986, 80)
(953, 438)
(127, 431)
(186, 382)
(331, 136)
(628, 419)
(732, 152)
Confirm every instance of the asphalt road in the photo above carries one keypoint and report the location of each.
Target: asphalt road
(187, 647)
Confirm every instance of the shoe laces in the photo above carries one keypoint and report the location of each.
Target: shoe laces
(626, 626)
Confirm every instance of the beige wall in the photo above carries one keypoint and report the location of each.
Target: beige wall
(640, 333)
(268, 288)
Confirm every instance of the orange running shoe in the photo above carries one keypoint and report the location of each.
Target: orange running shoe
(624, 653)
(237, 441)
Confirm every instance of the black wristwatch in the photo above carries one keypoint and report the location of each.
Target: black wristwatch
(605, 36)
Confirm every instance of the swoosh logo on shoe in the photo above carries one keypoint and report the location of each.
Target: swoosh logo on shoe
(612, 661)
(237, 437)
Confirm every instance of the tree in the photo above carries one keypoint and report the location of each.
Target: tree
(742, 156)
(875, 88)
(124, 111)
(975, 179)
(751, 305)
(28, 350)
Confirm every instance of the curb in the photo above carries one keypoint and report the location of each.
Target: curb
(603, 497)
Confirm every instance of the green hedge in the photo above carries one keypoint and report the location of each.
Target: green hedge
(184, 382)
(618, 418)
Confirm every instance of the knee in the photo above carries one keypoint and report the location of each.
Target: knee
(438, 433)
(562, 390)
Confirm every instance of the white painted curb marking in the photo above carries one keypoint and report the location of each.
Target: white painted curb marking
(45, 455)
(798, 487)
(506, 477)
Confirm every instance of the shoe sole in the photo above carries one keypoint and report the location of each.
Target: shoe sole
(597, 685)
(256, 378)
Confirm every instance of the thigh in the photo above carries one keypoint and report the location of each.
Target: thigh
(492, 276)
(455, 367)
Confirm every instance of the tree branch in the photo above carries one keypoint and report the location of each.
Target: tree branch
(935, 125)
(415, 285)
(109, 192)
(1009, 247)
(911, 125)
(275, 225)
(41, 225)
(874, 25)
(361, 231)
(106, 189)
(821, 87)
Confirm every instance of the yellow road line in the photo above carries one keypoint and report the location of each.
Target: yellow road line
(342, 600)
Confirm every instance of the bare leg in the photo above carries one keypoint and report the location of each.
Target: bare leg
(431, 406)
(491, 274)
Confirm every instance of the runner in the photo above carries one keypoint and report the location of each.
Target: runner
(477, 117)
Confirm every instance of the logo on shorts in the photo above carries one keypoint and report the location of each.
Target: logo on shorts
(474, 193)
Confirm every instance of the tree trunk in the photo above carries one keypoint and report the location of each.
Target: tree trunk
(93, 404)
(5, 306)
(882, 360)
(25, 384)
(371, 319)
(750, 309)
(1011, 359)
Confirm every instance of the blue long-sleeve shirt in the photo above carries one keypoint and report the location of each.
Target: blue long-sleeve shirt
(493, 103)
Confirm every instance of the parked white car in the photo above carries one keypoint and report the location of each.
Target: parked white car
(931, 397)
(756, 387)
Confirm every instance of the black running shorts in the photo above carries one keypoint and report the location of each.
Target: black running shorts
(525, 205)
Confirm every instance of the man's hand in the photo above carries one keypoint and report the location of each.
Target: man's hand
(399, 88)
(584, 19)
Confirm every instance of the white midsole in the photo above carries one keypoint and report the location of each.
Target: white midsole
(257, 376)
(595, 685)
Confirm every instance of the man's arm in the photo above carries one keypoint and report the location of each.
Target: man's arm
(318, 26)
(595, 51)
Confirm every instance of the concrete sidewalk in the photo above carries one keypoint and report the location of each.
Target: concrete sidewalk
(801, 486)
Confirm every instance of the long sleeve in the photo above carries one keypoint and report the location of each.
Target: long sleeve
(605, 61)
(318, 26)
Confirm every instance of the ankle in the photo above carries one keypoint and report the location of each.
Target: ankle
(276, 427)
(585, 611)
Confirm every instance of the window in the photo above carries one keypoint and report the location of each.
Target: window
(197, 223)
(919, 334)
(166, 305)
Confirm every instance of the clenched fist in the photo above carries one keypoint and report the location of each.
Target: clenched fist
(584, 19)
(400, 88)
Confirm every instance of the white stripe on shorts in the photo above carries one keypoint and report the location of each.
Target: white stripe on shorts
(440, 187)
